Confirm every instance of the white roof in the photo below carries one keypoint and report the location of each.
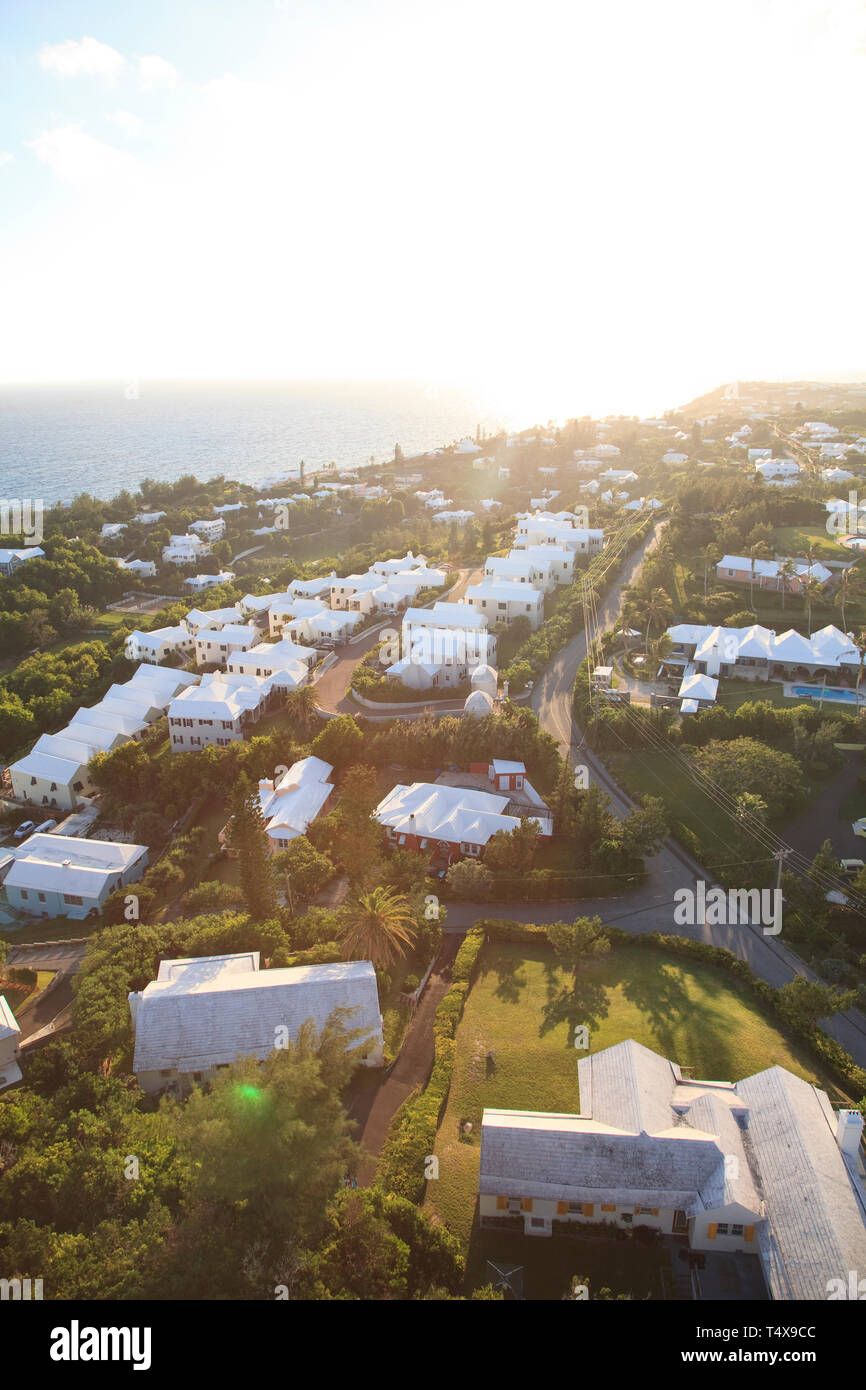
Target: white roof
(276, 655)
(210, 1012)
(49, 767)
(698, 687)
(455, 814)
(503, 592)
(103, 717)
(31, 552)
(231, 633)
(290, 805)
(214, 617)
(221, 695)
(68, 864)
(446, 615)
(502, 765)
(8, 1022)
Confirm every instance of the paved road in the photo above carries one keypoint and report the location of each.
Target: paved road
(63, 955)
(649, 908)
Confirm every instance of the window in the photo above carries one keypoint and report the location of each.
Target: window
(537, 1221)
(73, 899)
(24, 893)
(646, 1211)
(722, 1228)
(42, 898)
(736, 1230)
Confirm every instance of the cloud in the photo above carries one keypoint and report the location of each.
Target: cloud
(130, 124)
(86, 57)
(154, 72)
(6, 157)
(79, 158)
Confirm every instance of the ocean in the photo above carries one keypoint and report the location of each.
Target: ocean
(57, 441)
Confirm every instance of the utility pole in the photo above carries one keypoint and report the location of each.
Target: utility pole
(780, 856)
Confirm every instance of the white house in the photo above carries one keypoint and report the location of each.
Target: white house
(112, 529)
(149, 518)
(288, 663)
(762, 1166)
(145, 569)
(201, 1015)
(65, 876)
(448, 823)
(767, 574)
(674, 457)
(197, 582)
(757, 653)
(439, 646)
(522, 568)
(184, 550)
(214, 618)
(218, 644)
(342, 589)
(292, 802)
(458, 518)
(162, 642)
(11, 559)
(543, 530)
(210, 531)
(559, 559)
(10, 1072)
(219, 710)
(502, 601)
(125, 725)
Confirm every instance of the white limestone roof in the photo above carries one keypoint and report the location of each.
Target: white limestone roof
(505, 766)
(297, 798)
(213, 617)
(74, 748)
(8, 1022)
(698, 687)
(445, 615)
(221, 695)
(212, 1013)
(105, 718)
(49, 767)
(68, 864)
(504, 592)
(275, 654)
(232, 632)
(816, 1220)
(478, 702)
(446, 813)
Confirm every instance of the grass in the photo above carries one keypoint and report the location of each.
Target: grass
(521, 1009)
(796, 540)
(651, 773)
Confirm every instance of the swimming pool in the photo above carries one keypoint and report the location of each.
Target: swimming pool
(847, 697)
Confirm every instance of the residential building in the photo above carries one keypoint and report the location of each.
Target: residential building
(292, 802)
(10, 1033)
(440, 645)
(767, 574)
(159, 644)
(559, 558)
(219, 710)
(215, 618)
(757, 653)
(112, 529)
(197, 582)
(548, 530)
(449, 823)
(288, 663)
(145, 569)
(149, 518)
(762, 1166)
(521, 568)
(65, 876)
(201, 1015)
(210, 531)
(10, 560)
(218, 644)
(184, 550)
(502, 602)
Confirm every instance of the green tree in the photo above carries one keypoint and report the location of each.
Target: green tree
(307, 868)
(381, 928)
(513, 851)
(578, 942)
(806, 1002)
(249, 841)
(470, 880)
(340, 742)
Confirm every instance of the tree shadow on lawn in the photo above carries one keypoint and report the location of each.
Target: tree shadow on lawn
(577, 1002)
(507, 970)
(663, 1000)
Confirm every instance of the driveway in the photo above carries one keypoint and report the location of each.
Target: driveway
(332, 690)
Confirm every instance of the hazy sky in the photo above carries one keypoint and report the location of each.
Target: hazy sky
(567, 205)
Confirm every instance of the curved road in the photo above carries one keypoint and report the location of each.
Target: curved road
(651, 907)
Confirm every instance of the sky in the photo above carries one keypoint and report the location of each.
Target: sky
(568, 206)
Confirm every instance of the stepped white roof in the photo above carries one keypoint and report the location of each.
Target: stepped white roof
(289, 805)
(455, 814)
(68, 864)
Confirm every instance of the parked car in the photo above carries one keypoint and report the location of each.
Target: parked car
(859, 826)
(851, 867)
(24, 828)
(44, 828)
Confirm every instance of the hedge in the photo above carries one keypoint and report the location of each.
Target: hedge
(412, 1132)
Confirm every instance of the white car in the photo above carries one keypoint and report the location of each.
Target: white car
(859, 826)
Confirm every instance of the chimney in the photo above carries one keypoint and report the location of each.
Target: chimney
(134, 1001)
(849, 1127)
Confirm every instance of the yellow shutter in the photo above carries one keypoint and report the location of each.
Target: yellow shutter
(749, 1233)
(501, 1203)
(526, 1204)
(653, 1211)
(562, 1208)
(589, 1208)
(711, 1231)
(608, 1206)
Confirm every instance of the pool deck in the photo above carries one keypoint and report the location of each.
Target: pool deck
(837, 694)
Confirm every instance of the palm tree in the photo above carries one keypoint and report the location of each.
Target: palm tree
(787, 572)
(850, 588)
(382, 928)
(761, 551)
(301, 706)
(810, 589)
(712, 555)
(656, 607)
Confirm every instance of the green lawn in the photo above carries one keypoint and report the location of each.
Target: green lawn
(520, 1009)
(652, 773)
(796, 540)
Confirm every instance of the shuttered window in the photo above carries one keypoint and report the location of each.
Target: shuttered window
(562, 1208)
(711, 1230)
(750, 1233)
(526, 1204)
(589, 1208)
(608, 1206)
(501, 1203)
